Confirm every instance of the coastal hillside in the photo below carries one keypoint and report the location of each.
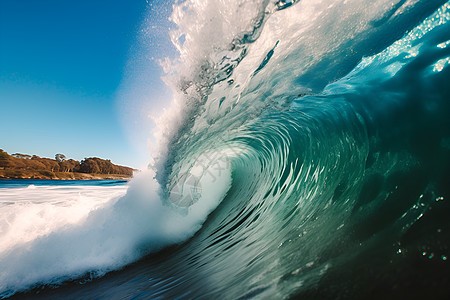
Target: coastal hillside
(24, 166)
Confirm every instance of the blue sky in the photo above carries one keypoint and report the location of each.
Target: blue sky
(77, 77)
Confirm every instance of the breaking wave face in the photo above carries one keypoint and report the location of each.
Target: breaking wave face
(314, 134)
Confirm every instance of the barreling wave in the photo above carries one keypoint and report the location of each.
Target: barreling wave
(315, 136)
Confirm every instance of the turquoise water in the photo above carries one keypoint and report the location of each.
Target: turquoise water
(14, 183)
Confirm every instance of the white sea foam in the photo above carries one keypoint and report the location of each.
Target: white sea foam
(51, 234)
(35, 211)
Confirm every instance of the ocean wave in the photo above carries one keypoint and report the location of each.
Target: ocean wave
(314, 134)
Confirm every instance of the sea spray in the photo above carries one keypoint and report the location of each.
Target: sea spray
(105, 236)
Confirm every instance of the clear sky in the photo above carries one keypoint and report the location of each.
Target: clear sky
(78, 76)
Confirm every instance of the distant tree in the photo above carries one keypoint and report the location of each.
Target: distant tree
(102, 166)
(4, 159)
(3, 154)
(50, 164)
(69, 165)
(60, 157)
(34, 164)
(109, 167)
(105, 166)
(89, 165)
(54, 166)
(61, 164)
(64, 166)
(73, 164)
(10, 162)
(22, 156)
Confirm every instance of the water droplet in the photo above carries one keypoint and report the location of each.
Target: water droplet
(424, 253)
(399, 251)
(431, 256)
(443, 257)
(296, 271)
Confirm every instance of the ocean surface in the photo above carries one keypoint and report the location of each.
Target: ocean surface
(305, 155)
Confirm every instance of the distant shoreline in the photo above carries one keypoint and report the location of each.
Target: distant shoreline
(33, 167)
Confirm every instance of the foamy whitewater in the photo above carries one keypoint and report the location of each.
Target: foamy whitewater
(305, 154)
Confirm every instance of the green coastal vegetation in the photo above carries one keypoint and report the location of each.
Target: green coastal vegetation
(24, 166)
